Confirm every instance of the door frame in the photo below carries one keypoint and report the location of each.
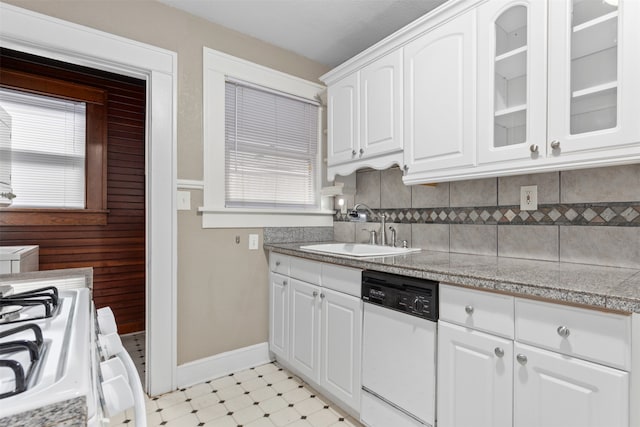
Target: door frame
(42, 35)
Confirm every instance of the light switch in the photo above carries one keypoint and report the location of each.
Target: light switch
(184, 200)
(529, 198)
(253, 241)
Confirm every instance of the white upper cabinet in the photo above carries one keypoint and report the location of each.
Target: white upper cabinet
(440, 102)
(342, 118)
(365, 117)
(512, 101)
(542, 109)
(594, 90)
(381, 106)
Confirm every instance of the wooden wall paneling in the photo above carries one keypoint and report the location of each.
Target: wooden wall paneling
(116, 251)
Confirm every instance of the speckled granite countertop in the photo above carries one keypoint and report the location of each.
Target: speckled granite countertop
(605, 287)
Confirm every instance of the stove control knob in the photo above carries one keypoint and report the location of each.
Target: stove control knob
(112, 368)
(117, 394)
(418, 305)
(106, 320)
(110, 344)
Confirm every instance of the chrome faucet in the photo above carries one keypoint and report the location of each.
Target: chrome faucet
(356, 215)
(393, 237)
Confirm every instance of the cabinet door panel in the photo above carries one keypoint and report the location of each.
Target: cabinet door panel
(512, 75)
(279, 316)
(440, 87)
(381, 105)
(552, 390)
(342, 119)
(474, 381)
(304, 328)
(593, 69)
(341, 346)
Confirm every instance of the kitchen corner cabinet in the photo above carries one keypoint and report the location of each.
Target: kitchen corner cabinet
(315, 325)
(365, 117)
(571, 101)
(506, 361)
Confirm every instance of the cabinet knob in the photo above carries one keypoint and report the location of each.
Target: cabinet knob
(322, 296)
(315, 293)
(284, 283)
(277, 263)
(555, 144)
(499, 351)
(406, 168)
(469, 309)
(353, 153)
(533, 148)
(563, 331)
(361, 152)
(522, 359)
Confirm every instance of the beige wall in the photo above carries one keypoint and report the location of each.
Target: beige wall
(222, 287)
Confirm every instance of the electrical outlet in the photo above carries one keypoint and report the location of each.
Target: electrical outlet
(529, 198)
(184, 200)
(253, 241)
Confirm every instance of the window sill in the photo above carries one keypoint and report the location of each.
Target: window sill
(256, 218)
(27, 216)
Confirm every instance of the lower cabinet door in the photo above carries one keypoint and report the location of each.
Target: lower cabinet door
(279, 315)
(304, 328)
(341, 336)
(475, 378)
(553, 390)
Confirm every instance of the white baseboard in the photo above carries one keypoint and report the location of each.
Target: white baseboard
(222, 364)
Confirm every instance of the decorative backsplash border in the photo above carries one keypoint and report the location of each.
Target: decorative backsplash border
(614, 214)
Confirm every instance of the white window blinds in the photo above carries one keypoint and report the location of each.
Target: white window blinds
(47, 150)
(271, 149)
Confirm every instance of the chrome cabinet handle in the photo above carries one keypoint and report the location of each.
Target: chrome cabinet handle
(315, 293)
(277, 263)
(284, 283)
(555, 144)
(563, 331)
(469, 309)
(322, 296)
(406, 168)
(533, 148)
(499, 351)
(361, 152)
(353, 153)
(522, 359)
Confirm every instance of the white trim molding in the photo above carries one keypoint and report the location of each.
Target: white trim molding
(190, 184)
(223, 364)
(218, 67)
(42, 35)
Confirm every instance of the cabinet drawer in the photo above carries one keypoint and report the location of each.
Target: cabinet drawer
(305, 270)
(587, 334)
(479, 310)
(342, 279)
(279, 263)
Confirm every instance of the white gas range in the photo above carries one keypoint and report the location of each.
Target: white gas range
(57, 364)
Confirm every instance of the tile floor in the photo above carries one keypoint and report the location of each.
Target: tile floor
(263, 396)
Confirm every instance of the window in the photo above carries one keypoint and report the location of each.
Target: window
(271, 142)
(46, 150)
(58, 172)
(261, 130)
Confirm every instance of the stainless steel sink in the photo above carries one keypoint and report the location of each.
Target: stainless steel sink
(357, 249)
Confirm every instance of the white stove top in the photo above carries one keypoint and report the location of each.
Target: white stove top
(65, 372)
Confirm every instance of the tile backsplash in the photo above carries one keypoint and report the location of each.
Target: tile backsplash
(584, 216)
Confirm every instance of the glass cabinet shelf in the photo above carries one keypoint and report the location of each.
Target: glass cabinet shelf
(594, 36)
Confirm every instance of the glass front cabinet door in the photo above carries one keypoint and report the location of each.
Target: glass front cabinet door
(557, 77)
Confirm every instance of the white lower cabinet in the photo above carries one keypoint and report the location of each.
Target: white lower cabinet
(553, 390)
(316, 330)
(341, 336)
(559, 378)
(304, 328)
(475, 378)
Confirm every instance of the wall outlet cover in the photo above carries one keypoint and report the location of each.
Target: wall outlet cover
(184, 200)
(253, 241)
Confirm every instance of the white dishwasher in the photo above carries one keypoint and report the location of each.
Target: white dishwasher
(398, 350)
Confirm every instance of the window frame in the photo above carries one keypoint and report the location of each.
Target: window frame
(95, 211)
(217, 67)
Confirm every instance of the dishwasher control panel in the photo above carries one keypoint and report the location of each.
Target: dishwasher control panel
(417, 297)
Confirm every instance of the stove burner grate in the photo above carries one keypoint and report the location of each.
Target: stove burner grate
(33, 347)
(46, 298)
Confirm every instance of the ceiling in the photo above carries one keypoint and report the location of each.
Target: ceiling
(326, 31)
